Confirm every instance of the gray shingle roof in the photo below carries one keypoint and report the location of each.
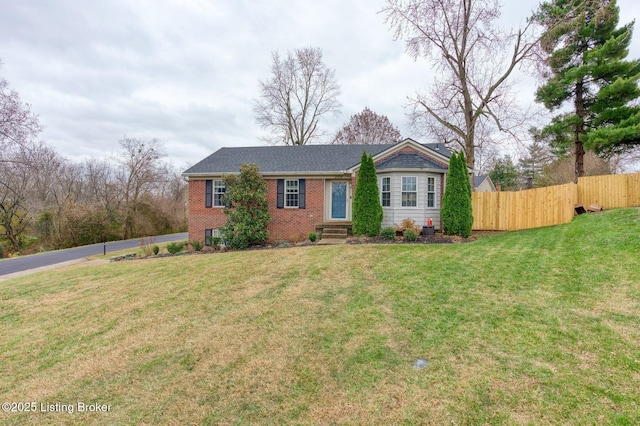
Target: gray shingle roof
(282, 159)
(477, 180)
(408, 160)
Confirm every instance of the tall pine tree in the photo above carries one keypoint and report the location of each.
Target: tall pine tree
(586, 69)
(532, 165)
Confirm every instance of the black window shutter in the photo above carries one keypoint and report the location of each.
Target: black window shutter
(280, 199)
(302, 194)
(208, 199)
(207, 237)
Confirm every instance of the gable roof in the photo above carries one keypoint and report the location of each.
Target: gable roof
(321, 159)
(480, 179)
(408, 160)
(477, 180)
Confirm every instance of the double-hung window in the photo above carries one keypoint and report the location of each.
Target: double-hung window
(214, 190)
(386, 192)
(431, 192)
(409, 191)
(292, 191)
(218, 192)
(209, 234)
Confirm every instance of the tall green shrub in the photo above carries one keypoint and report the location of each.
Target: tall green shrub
(367, 211)
(456, 213)
(247, 211)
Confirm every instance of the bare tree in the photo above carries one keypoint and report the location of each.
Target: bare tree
(473, 60)
(18, 125)
(21, 198)
(367, 127)
(102, 185)
(140, 173)
(300, 91)
(562, 170)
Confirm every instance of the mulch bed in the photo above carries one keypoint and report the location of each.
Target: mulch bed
(430, 239)
(438, 238)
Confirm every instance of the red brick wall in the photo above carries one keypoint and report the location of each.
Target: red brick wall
(200, 217)
(296, 224)
(286, 224)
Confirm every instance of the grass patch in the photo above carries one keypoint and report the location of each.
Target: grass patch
(528, 327)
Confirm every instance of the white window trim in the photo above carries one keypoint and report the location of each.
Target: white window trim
(215, 187)
(215, 233)
(297, 192)
(431, 192)
(402, 191)
(389, 191)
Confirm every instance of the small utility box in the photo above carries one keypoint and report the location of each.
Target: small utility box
(428, 230)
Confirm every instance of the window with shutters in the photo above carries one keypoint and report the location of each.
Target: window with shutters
(214, 191)
(292, 194)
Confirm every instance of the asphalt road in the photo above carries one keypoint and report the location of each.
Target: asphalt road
(18, 264)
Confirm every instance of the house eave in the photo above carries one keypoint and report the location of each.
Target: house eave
(272, 175)
(410, 170)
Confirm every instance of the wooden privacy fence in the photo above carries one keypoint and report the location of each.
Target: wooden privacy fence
(610, 191)
(552, 205)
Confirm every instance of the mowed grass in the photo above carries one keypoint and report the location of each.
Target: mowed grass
(532, 327)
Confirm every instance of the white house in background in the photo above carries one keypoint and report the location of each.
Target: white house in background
(483, 183)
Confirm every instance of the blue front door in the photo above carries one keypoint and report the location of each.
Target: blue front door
(338, 200)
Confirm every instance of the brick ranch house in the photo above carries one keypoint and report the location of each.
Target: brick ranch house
(310, 187)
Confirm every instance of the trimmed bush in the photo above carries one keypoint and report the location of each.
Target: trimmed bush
(410, 234)
(367, 210)
(313, 237)
(197, 245)
(174, 248)
(388, 233)
(156, 250)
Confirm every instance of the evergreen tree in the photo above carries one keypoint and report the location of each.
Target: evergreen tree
(367, 210)
(456, 213)
(537, 158)
(586, 68)
(506, 173)
(247, 211)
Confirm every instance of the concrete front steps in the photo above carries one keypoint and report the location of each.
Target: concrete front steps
(333, 233)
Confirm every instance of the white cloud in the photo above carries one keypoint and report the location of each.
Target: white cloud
(187, 72)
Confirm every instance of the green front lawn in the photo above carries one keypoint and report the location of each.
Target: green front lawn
(530, 327)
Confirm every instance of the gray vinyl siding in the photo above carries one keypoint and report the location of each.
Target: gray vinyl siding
(395, 214)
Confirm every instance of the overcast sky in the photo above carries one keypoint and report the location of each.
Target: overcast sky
(187, 72)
